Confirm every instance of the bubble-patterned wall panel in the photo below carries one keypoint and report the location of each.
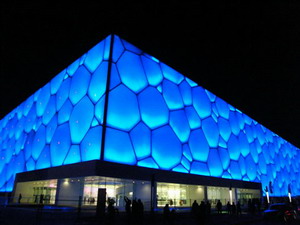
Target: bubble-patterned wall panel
(156, 118)
(61, 123)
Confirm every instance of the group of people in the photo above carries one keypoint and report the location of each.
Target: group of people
(233, 209)
(134, 210)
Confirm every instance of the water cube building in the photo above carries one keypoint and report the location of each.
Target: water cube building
(120, 120)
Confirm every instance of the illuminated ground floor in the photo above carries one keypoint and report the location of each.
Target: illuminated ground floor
(155, 188)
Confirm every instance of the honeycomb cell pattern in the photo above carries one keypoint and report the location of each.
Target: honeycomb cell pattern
(156, 118)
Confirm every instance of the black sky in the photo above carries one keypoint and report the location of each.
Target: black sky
(247, 54)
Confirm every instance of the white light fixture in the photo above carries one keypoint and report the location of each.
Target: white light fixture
(230, 195)
(290, 197)
(268, 198)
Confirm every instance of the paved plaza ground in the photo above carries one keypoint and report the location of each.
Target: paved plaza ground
(67, 216)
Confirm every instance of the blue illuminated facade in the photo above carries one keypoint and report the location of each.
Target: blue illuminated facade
(155, 118)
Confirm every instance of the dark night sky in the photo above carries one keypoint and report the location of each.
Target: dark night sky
(247, 54)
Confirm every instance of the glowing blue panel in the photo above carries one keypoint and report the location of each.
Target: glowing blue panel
(240, 119)
(94, 57)
(73, 67)
(249, 133)
(65, 112)
(60, 144)
(233, 120)
(223, 108)
(107, 47)
(118, 49)
(62, 93)
(260, 134)
(186, 92)
(266, 153)
(2, 160)
(198, 145)
(152, 70)
(233, 147)
(180, 125)
(10, 168)
(222, 143)
(81, 119)
(30, 119)
(37, 124)
(180, 169)
(123, 147)
(193, 118)
(20, 143)
(98, 82)
(191, 83)
(172, 95)
(211, 132)
(131, 47)
(235, 170)
(82, 58)
(225, 157)
(28, 145)
(38, 142)
(211, 96)
(166, 148)
(244, 144)
(114, 77)
(226, 175)
(251, 168)
(36, 95)
(258, 146)
(44, 159)
(171, 74)
(214, 163)
(99, 109)
(56, 82)
(121, 99)
(185, 162)
(153, 108)
(201, 102)
(187, 152)
(3, 178)
(141, 140)
(50, 110)
(73, 155)
(247, 119)
(262, 164)
(51, 127)
(79, 85)
(91, 144)
(149, 162)
(27, 105)
(132, 72)
(42, 100)
(95, 122)
(19, 110)
(242, 165)
(199, 168)
(30, 165)
(214, 109)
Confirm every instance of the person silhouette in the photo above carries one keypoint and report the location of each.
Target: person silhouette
(219, 207)
(195, 208)
(166, 213)
(140, 211)
(228, 208)
(128, 208)
(20, 197)
(238, 208)
(233, 209)
(111, 213)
